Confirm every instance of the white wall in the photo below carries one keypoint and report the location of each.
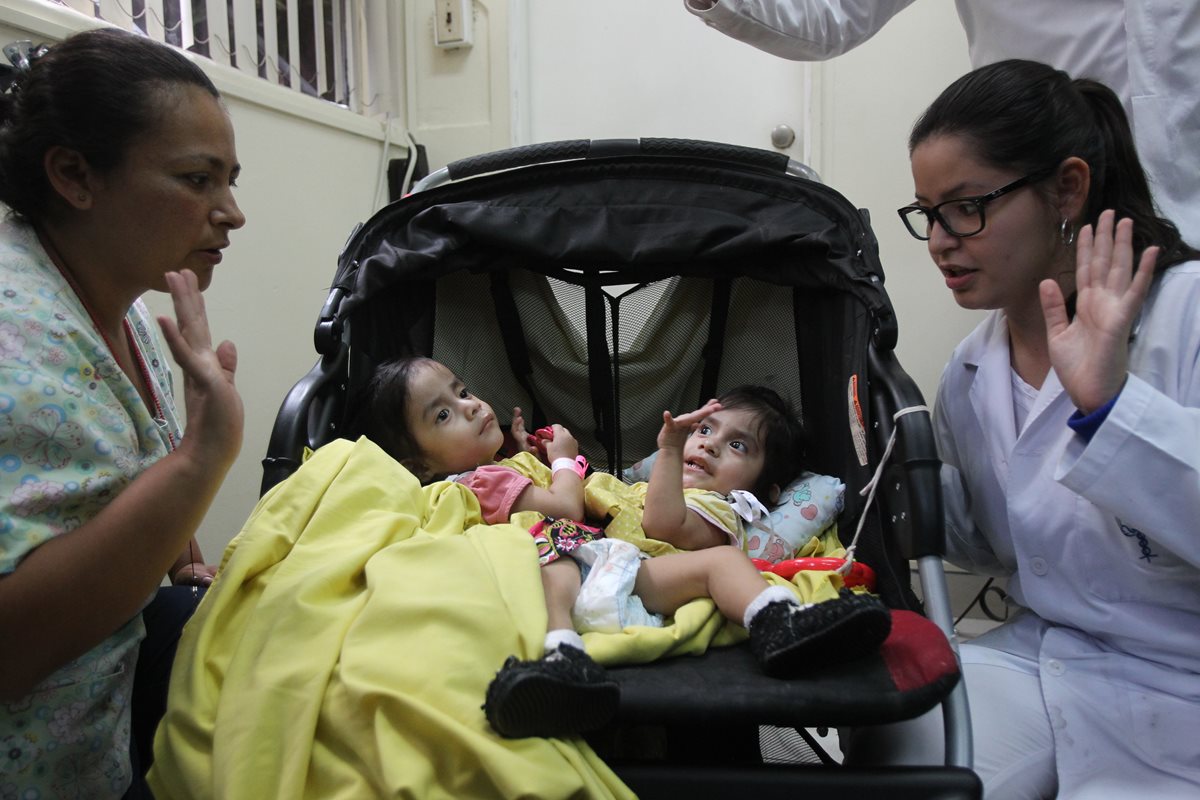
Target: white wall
(309, 175)
(458, 99)
(629, 69)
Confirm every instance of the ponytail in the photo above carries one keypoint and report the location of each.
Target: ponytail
(1119, 182)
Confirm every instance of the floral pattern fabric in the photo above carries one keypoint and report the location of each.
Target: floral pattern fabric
(74, 432)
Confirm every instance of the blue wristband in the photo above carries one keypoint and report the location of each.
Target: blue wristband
(1087, 425)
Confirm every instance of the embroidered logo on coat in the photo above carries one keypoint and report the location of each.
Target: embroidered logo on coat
(1143, 542)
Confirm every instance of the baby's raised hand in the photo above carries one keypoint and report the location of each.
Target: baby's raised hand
(675, 430)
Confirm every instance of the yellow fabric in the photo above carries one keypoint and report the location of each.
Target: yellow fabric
(607, 496)
(531, 467)
(347, 643)
(698, 624)
(346, 646)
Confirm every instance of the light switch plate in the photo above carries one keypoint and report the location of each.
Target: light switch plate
(452, 23)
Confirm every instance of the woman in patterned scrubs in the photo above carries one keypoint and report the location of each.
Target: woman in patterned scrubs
(117, 162)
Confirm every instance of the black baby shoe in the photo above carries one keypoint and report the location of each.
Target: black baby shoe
(562, 693)
(787, 639)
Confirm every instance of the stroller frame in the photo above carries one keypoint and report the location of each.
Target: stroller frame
(497, 220)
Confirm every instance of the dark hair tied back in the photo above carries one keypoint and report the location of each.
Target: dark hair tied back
(94, 93)
(1027, 116)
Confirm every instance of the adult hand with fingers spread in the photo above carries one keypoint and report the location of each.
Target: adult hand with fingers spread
(1090, 353)
(214, 407)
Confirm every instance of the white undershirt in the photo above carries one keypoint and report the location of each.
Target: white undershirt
(1024, 396)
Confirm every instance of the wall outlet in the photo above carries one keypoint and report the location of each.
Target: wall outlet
(452, 23)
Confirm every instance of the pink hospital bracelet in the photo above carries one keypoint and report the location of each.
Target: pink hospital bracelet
(578, 465)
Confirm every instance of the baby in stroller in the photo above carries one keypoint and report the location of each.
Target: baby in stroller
(424, 416)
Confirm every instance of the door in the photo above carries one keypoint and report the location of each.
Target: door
(646, 68)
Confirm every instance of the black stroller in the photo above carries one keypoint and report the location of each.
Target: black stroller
(598, 283)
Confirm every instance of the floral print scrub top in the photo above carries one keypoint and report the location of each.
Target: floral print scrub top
(73, 433)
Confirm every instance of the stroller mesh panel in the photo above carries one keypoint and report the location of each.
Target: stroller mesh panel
(468, 339)
(656, 340)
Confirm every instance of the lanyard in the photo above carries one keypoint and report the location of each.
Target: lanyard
(160, 418)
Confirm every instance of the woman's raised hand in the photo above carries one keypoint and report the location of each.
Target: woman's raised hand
(214, 407)
(1090, 353)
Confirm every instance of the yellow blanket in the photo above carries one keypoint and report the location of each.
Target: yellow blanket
(346, 646)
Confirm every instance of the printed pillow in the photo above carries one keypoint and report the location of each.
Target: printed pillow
(807, 506)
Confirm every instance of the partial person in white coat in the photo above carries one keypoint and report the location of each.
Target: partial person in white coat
(1147, 51)
(1069, 425)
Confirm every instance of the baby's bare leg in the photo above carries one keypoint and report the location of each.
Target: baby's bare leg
(560, 582)
(723, 573)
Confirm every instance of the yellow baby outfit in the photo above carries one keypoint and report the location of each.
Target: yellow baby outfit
(617, 507)
(608, 497)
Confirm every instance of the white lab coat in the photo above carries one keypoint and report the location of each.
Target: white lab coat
(1147, 51)
(1115, 627)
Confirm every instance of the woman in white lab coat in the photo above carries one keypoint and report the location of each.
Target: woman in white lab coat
(1070, 429)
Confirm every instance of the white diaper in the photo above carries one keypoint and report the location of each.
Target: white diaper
(606, 601)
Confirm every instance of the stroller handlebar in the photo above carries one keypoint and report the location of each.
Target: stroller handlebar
(569, 149)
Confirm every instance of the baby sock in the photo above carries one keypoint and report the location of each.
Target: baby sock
(555, 639)
(771, 594)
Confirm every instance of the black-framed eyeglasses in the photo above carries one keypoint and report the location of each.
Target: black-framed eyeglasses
(962, 216)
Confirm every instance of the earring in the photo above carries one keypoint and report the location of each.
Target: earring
(82, 197)
(1067, 232)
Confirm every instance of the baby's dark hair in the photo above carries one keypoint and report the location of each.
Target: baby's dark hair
(779, 430)
(382, 415)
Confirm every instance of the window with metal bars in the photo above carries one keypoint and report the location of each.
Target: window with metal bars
(304, 45)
